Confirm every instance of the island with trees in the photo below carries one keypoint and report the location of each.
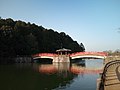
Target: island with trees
(18, 38)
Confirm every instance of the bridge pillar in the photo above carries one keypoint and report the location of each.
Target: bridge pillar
(61, 58)
(63, 55)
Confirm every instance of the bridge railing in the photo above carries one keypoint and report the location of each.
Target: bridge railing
(73, 54)
(103, 76)
(89, 53)
(45, 54)
(48, 54)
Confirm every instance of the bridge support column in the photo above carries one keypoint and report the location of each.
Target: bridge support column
(63, 55)
(61, 58)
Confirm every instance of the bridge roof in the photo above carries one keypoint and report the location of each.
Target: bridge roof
(63, 50)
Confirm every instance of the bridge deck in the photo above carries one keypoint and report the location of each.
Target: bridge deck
(112, 77)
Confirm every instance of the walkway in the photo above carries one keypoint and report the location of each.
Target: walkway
(111, 76)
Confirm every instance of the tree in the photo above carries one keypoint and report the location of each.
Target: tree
(21, 38)
(82, 46)
(32, 44)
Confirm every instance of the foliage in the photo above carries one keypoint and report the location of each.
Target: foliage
(21, 38)
(113, 53)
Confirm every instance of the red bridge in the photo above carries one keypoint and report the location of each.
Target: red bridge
(101, 55)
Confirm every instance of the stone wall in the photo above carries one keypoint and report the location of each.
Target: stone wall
(24, 59)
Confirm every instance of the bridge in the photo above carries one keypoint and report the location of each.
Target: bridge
(67, 56)
(99, 55)
(44, 55)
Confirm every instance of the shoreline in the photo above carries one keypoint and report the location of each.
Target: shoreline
(18, 59)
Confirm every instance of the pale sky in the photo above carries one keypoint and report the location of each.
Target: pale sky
(95, 23)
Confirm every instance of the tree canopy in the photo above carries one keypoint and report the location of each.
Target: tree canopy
(21, 38)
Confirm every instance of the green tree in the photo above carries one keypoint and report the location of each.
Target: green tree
(21, 38)
(82, 46)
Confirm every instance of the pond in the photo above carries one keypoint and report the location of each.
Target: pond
(51, 76)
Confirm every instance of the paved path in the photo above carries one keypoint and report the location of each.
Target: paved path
(112, 79)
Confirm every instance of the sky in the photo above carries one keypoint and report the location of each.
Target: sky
(95, 23)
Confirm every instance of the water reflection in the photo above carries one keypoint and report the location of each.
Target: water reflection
(65, 68)
(55, 76)
(69, 75)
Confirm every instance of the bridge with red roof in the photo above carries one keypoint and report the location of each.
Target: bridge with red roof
(99, 55)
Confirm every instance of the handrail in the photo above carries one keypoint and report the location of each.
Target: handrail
(45, 54)
(103, 76)
(89, 53)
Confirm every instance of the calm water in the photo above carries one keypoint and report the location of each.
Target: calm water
(55, 76)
